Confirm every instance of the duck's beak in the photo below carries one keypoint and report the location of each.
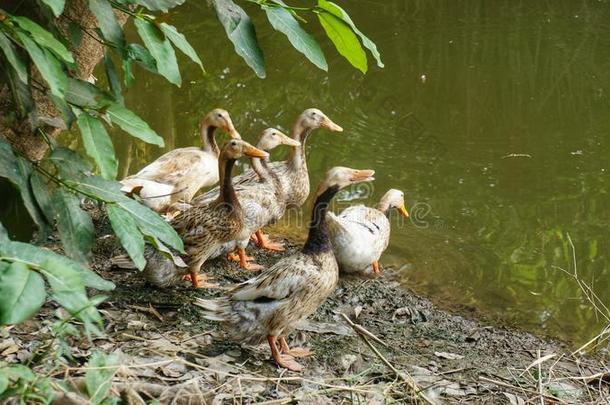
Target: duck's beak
(230, 129)
(358, 176)
(327, 123)
(286, 140)
(251, 151)
(403, 210)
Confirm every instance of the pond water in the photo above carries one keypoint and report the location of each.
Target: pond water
(492, 117)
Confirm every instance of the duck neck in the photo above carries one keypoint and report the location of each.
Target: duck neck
(207, 138)
(384, 207)
(297, 158)
(260, 168)
(318, 240)
(227, 192)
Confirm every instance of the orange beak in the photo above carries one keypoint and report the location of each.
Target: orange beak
(403, 210)
(359, 176)
(327, 123)
(286, 140)
(230, 129)
(251, 151)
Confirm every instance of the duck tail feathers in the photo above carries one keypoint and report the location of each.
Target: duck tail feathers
(212, 309)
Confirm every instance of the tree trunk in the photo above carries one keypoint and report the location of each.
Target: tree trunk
(19, 132)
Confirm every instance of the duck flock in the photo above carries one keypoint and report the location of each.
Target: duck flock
(224, 219)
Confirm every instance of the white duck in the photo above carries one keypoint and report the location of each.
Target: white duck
(360, 234)
(179, 174)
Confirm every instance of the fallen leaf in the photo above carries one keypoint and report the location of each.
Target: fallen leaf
(448, 356)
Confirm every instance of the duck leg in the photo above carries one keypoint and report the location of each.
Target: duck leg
(284, 361)
(295, 351)
(198, 280)
(376, 267)
(245, 262)
(264, 242)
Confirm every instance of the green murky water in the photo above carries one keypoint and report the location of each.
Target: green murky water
(492, 117)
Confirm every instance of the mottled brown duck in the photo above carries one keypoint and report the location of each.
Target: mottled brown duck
(269, 306)
(204, 229)
(179, 174)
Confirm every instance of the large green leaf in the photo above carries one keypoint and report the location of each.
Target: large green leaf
(345, 40)
(69, 291)
(240, 31)
(283, 21)
(44, 38)
(56, 6)
(132, 124)
(73, 224)
(127, 231)
(17, 170)
(47, 64)
(342, 14)
(98, 378)
(104, 190)
(22, 292)
(69, 163)
(87, 95)
(150, 223)
(3, 382)
(36, 256)
(141, 55)
(14, 59)
(159, 5)
(161, 49)
(41, 193)
(113, 78)
(22, 96)
(98, 144)
(109, 26)
(181, 43)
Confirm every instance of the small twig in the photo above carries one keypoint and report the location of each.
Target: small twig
(149, 310)
(402, 375)
(361, 330)
(506, 385)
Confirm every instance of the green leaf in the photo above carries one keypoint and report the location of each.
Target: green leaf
(104, 190)
(181, 43)
(345, 40)
(17, 170)
(113, 78)
(69, 163)
(3, 234)
(87, 95)
(160, 49)
(73, 224)
(127, 231)
(44, 38)
(75, 31)
(3, 382)
(22, 95)
(41, 193)
(150, 223)
(36, 256)
(109, 26)
(98, 378)
(21, 293)
(141, 55)
(66, 112)
(19, 372)
(98, 144)
(240, 31)
(342, 14)
(69, 291)
(132, 124)
(281, 20)
(159, 5)
(47, 64)
(56, 6)
(128, 76)
(14, 59)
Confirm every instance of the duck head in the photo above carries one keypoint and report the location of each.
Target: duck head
(272, 138)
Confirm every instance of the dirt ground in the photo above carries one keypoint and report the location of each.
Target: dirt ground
(399, 348)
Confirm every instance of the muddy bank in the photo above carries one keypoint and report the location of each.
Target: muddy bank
(409, 351)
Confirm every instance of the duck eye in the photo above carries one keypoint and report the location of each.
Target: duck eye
(219, 115)
(233, 143)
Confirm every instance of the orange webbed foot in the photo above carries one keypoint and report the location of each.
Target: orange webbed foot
(298, 352)
(264, 242)
(248, 262)
(376, 269)
(200, 281)
(285, 361)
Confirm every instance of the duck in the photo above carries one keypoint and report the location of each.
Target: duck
(269, 306)
(292, 172)
(203, 229)
(179, 174)
(360, 234)
(263, 203)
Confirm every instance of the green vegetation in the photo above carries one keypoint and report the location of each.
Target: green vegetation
(38, 59)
